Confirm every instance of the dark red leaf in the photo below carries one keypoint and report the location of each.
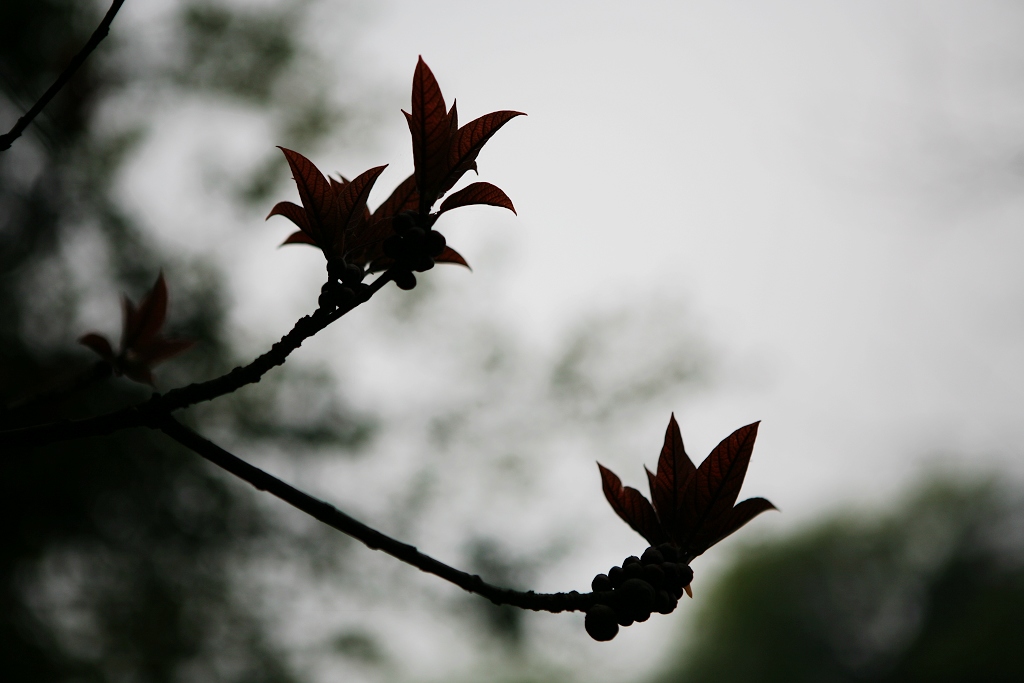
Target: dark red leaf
(99, 344)
(632, 507)
(144, 322)
(404, 198)
(449, 255)
(674, 471)
(299, 237)
(352, 197)
(467, 143)
(318, 198)
(293, 212)
(478, 193)
(142, 343)
(717, 482)
(731, 521)
(430, 126)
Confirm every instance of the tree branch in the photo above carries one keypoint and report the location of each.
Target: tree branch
(7, 139)
(373, 539)
(151, 411)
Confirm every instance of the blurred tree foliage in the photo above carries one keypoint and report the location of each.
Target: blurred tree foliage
(933, 592)
(119, 556)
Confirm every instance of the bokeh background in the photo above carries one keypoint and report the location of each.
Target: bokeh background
(804, 213)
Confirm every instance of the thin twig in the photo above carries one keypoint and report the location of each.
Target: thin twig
(158, 405)
(7, 139)
(373, 539)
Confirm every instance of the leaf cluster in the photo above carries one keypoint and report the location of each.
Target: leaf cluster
(142, 345)
(693, 508)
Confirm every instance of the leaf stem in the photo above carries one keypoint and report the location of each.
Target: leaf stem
(8, 138)
(373, 539)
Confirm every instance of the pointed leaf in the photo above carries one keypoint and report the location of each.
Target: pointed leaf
(99, 344)
(430, 126)
(299, 237)
(478, 193)
(293, 212)
(316, 194)
(632, 507)
(453, 118)
(467, 143)
(674, 472)
(149, 317)
(352, 196)
(717, 482)
(449, 255)
(404, 198)
(732, 521)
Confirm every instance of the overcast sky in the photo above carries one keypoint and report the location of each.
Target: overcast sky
(830, 195)
(836, 189)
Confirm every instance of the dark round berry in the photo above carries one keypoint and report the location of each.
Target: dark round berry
(393, 246)
(601, 583)
(685, 575)
(677, 591)
(352, 274)
(632, 559)
(669, 552)
(601, 622)
(671, 571)
(639, 593)
(435, 243)
(652, 556)
(624, 617)
(642, 615)
(633, 570)
(335, 269)
(664, 603)
(416, 238)
(616, 576)
(654, 575)
(345, 296)
(325, 300)
(422, 263)
(404, 221)
(405, 279)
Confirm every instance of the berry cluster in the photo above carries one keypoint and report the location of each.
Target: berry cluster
(653, 582)
(344, 284)
(413, 246)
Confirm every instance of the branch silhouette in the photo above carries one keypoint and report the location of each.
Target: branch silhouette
(373, 539)
(8, 138)
(152, 410)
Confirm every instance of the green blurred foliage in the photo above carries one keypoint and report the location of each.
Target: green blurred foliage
(932, 592)
(121, 557)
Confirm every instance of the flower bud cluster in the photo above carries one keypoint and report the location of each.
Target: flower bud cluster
(414, 246)
(653, 582)
(344, 284)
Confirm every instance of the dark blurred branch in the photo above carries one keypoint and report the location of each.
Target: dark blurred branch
(153, 410)
(7, 139)
(373, 539)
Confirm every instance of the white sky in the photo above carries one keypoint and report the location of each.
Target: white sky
(833, 191)
(836, 188)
